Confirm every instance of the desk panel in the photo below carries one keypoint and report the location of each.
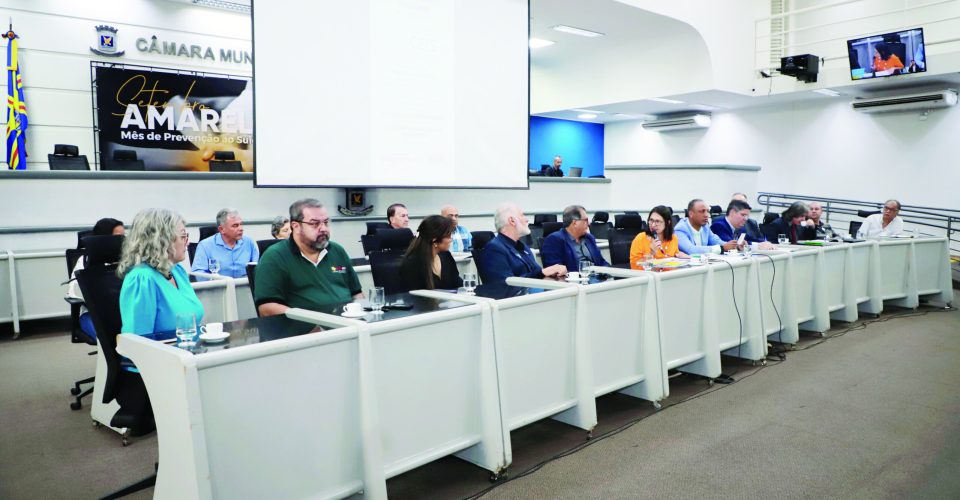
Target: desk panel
(776, 312)
(739, 330)
(894, 268)
(685, 331)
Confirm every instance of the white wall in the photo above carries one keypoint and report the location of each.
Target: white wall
(55, 41)
(816, 149)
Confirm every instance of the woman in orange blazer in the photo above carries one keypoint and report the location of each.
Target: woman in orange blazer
(657, 241)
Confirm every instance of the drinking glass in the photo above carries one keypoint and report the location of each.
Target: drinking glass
(584, 268)
(377, 298)
(470, 282)
(782, 239)
(213, 265)
(186, 329)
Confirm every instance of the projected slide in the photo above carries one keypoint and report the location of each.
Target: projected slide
(406, 93)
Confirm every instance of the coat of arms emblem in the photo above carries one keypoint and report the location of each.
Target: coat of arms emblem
(106, 42)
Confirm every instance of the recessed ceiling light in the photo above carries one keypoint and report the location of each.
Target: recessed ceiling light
(589, 111)
(536, 43)
(586, 116)
(576, 31)
(665, 100)
(827, 92)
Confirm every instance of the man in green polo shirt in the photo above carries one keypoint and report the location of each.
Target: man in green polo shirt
(308, 270)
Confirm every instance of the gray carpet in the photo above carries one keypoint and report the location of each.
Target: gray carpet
(873, 413)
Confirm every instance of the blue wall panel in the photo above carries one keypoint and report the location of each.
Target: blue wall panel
(579, 143)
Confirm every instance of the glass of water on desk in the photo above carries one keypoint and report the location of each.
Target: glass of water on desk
(186, 329)
(214, 266)
(377, 297)
(470, 282)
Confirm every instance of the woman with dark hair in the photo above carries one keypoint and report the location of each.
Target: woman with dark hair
(428, 264)
(108, 226)
(788, 223)
(884, 59)
(103, 227)
(657, 241)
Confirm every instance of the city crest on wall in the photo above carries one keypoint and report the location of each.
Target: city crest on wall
(106, 42)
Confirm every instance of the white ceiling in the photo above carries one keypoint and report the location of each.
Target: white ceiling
(626, 27)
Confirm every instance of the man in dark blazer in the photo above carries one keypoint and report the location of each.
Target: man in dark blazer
(572, 244)
(506, 256)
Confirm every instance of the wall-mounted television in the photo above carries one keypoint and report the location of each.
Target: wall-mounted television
(888, 54)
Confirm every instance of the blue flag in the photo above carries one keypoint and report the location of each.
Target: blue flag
(16, 111)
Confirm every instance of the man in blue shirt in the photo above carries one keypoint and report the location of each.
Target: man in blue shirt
(232, 250)
(462, 239)
(506, 256)
(695, 237)
(573, 244)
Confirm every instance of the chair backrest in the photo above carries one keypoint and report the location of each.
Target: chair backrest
(599, 230)
(716, 209)
(73, 255)
(370, 243)
(477, 254)
(102, 250)
(60, 162)
(224, 155)
(676, 219)
(81, 235)
(372, 227)
(631, 212)
(533, 239)
(101, 294)
(626, 221)
(66, 149)
(601, 217)
(192, 250)
(263, 245)
(394, 240)
(620, 242)
(480, 239)
(124, 154)
(854, 228)
(769, 217)
(770, 232)
(252, 280)
(867, 213)
(125, 165)
(539, 219)
(576, 171)
(551, 227)
(385, 267)
(225, 165)
(207, 231)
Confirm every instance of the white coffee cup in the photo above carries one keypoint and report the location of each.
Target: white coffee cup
(212, 328)
(353, 308)
(573, 276)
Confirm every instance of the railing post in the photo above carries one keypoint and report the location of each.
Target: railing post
(828, 212)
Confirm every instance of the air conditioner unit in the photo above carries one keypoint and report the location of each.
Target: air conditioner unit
(907, 102)
(678, 123)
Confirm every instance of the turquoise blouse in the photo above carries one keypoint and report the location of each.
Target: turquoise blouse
(149, 303)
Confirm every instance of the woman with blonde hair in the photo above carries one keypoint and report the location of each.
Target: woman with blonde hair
(155, 287)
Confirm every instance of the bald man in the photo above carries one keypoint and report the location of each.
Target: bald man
(462, 239)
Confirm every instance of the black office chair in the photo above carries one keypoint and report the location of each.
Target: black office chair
(192, 251)
(370, 243)
(601, 217)
(207, 231)
(125, 159)
(620, 242)
(769, 217)
(372, 227)
(225, 161)
(394, 240)
(628, 223)
(101, 290)
(770, 232)
(716, 210)
(67, 157)
(385, 267)
(252, 280)
(539, 219)
(477, 254)
(481, 238)
(867, 213)
(599, 230)
(676, 219)
(631, 212)
(77, 334)
(551, 227)
(263, 245)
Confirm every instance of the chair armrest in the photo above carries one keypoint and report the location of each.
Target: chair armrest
(73, 301)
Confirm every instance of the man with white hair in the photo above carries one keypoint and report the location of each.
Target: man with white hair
(506, 256)
(229, 247)
(462, 239)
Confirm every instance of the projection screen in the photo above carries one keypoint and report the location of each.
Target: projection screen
(391, 93)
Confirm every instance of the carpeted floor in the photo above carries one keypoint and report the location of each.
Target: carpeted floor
(871, 413)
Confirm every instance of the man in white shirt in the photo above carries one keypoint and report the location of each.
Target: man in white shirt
(887, 223)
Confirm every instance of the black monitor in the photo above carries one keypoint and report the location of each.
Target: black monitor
(887, 54)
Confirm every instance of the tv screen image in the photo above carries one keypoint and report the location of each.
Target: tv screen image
(888, 54)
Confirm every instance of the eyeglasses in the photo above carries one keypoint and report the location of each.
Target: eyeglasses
(315, 223)
(654, 221)
(184, 236)
(891, 209)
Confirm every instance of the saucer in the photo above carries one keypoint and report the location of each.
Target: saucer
(352, 315)
(214, 337)
(577, 280)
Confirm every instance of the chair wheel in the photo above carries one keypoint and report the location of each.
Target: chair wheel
(75, 405)
(97, 425)
(125, 441)
(74, 390)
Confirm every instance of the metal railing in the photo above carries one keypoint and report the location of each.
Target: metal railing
(928, 221)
